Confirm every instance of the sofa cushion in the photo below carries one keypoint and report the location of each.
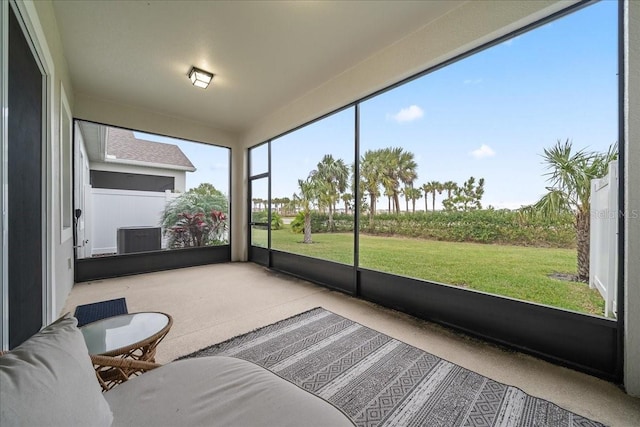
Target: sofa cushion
(220, 391)
(49, 380)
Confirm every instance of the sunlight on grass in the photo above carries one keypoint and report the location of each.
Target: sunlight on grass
(512, 271)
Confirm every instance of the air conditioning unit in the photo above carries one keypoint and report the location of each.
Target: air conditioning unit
(138, 239)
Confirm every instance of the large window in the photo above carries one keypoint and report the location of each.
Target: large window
(138, 192)
(491, 173)
(478, 174)
(312, 189)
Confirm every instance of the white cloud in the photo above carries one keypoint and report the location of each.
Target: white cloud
(482, 152)
(472, 81)
(408, 114)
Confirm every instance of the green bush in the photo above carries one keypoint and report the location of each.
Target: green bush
(196, 218)
(480, 226)
(262, 216)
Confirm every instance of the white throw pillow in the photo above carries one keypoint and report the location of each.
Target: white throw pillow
(49, 381)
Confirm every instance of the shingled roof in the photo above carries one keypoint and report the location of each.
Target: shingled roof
(123, 145)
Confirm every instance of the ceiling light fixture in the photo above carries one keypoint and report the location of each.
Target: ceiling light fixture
(200, 78)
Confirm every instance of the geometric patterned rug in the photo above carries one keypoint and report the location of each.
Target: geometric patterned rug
(379, 381)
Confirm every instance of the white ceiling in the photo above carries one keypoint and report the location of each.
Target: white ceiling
(264, 53)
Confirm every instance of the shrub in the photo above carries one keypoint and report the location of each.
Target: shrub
(320, 223)
(480, 226)
(196, 219)
(262, 216)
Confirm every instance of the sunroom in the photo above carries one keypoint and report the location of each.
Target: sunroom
(395, 152)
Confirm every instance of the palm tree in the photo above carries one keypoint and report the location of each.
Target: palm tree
(371, 178)
(434, 186)
(333, 174)
(570, 174)
(286, 204)
(388, 192)
(427, 188)
(406, 193)
(413, 194)
(305, 199)
(347, 199)
(449, 187)
(399, 167)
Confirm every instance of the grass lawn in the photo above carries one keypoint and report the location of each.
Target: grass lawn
(512, 271)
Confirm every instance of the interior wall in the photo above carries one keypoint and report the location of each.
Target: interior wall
(61, 246)
(632, 196)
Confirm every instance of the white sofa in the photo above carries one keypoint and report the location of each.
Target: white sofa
(49, 380)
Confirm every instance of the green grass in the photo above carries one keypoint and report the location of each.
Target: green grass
(512, 271)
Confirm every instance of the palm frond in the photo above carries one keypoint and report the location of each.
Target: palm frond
(552, 205)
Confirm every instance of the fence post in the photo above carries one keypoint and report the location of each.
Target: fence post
(603, 239)
(613, 237)
(594, 231)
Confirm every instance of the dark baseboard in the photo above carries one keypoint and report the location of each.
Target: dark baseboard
(87, 269)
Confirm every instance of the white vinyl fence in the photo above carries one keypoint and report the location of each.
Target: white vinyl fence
(603, 260)
(112, 209)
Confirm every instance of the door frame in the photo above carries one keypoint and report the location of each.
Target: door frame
(30, 23)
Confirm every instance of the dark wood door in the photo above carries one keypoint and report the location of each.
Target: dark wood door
(24, 188)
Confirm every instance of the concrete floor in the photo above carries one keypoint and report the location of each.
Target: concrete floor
(212, 303)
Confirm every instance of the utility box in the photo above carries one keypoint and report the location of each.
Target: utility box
(139, 239)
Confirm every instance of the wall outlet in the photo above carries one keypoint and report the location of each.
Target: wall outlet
(69, 265)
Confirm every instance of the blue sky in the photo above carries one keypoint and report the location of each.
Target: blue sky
(489, 115)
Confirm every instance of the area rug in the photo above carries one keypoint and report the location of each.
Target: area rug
(379, 381)
(88, 313)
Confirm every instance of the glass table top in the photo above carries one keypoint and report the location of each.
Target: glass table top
(116, 332)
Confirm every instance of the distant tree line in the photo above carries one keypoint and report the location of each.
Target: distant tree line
(387, 172)
(392, 173)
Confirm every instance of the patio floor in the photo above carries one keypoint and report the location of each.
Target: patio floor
(212, 303)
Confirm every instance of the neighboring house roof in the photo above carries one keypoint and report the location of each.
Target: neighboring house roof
(124, 147)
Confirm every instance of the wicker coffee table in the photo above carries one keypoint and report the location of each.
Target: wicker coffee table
(125, 345)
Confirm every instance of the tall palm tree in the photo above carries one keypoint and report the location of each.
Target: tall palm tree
(570, 174)
(305, 199)
(371, 179)
(427, 188)
(347, 199)
(399, 167)
(413, 194)
(286, 204)
(403, 193)
(434, 187)
(334, 175)
(388, 192)
(449, 187)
